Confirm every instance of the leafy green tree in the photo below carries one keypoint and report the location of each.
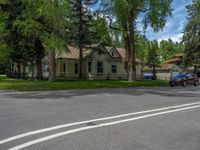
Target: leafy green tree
(20, 48)
(192, 35)
(82, 30)
(126, 12)
(117, 36)
(142, 48)
(169, 49)
(166, 48)
(4, 58)
(45, 21)
(102, 30)
(153, 59)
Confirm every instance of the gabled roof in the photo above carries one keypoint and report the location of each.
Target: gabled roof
(173, 60)
(74, 53)
(162, 67)
(122, 52)
(87, 52)
(109, 49)
(179, 55)
(97, 48)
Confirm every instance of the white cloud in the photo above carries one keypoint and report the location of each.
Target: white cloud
(174, 26)
(175, 37)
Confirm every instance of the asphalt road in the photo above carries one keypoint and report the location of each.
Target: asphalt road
(139, 119)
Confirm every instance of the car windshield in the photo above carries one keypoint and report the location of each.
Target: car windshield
(180, 76)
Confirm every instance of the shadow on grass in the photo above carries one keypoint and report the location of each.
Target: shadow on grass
(27, 85)
(47, 90)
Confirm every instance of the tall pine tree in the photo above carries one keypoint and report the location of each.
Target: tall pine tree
(82, 32)
(22, 49)
(153, 57)
(192, 35)
(46, 21)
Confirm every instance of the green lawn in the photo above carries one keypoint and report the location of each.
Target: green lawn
(28, 85)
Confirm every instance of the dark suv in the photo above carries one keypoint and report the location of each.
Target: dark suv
(184, 79)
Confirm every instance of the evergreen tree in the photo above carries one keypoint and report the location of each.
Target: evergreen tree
(169, 49)
(192, 35)
(142, 47)
(82, 31)
(4, 58)
(20, 48)
(102, 30)
(153, 59)
(46, 21)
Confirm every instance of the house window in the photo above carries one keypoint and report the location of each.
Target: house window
(76, 68)
(114, 68)
(64, 67)
(99, 67)
(89, 66)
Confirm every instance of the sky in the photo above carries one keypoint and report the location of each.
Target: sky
(174, 25)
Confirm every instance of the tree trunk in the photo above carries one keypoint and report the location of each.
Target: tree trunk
(23, 71)
(154, 73)
(18, 75)
(39, 55)
(52, 66)
(195, 69)
(32, 70)
(11, 69)
(51, 55)
(127, 47)
(132, 63)
(39, 69)
(80, 40)
(80, 63)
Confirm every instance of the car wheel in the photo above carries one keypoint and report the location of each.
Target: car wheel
(184, 83)
(172, 85)
(195, 83)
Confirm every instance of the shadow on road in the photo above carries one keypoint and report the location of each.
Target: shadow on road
(162, 91)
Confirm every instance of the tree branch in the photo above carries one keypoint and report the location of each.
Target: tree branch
(110, 25)
(91, 2)
(143, 10)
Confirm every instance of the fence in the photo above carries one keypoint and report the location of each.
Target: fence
(19, 75)
(62, 76)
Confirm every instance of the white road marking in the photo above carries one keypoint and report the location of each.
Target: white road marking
(96, 126)
(88, 121)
